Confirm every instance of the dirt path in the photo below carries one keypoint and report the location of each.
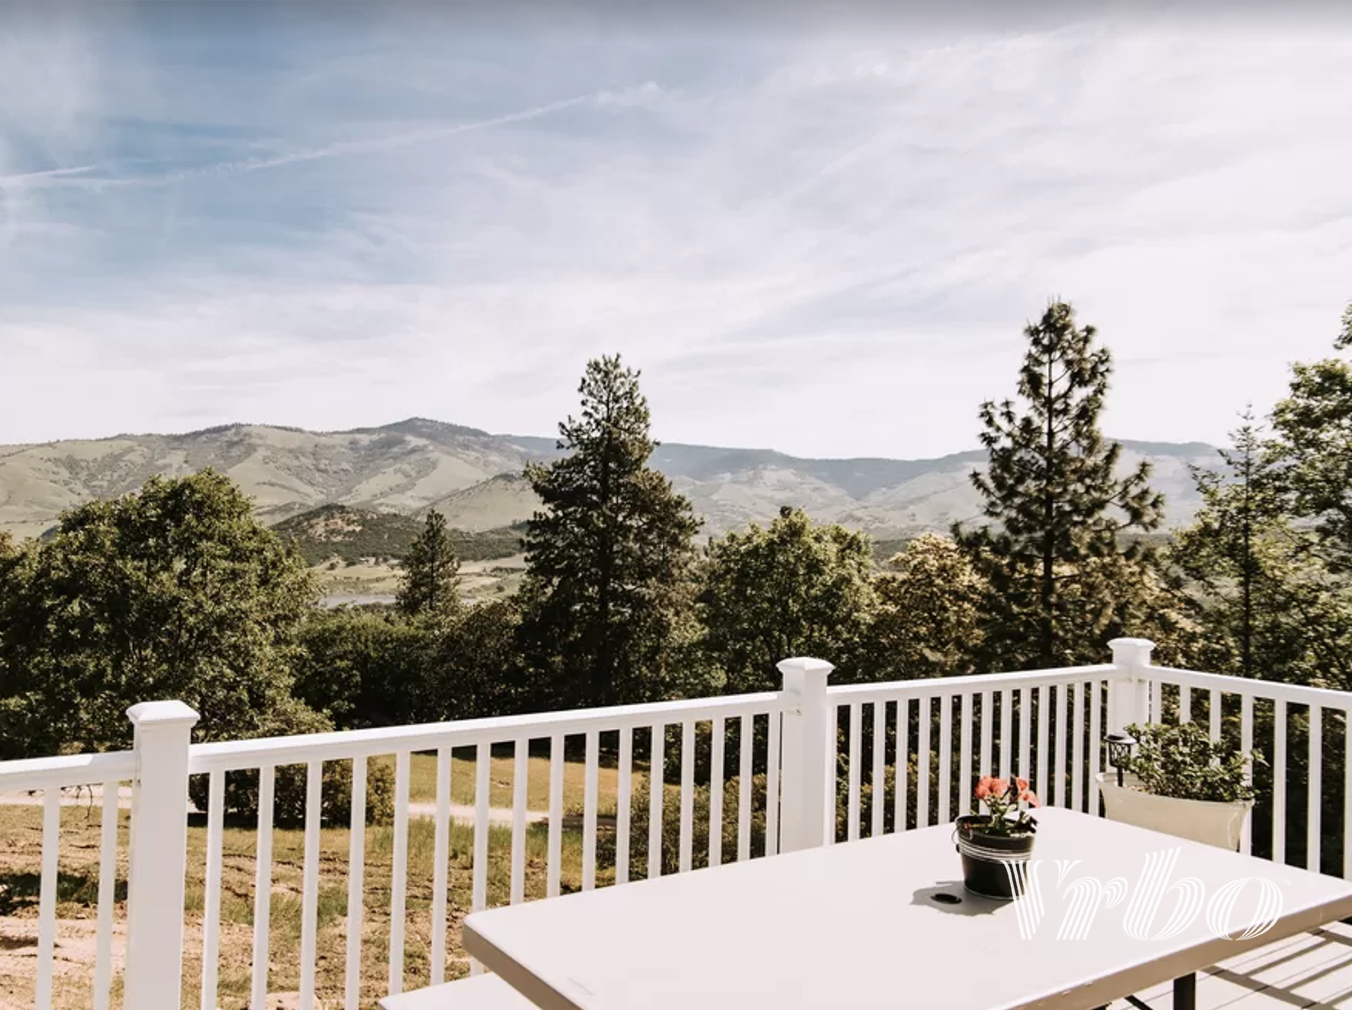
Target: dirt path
(93, 797)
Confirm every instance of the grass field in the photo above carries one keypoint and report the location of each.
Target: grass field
(20, 855)
(422, 782)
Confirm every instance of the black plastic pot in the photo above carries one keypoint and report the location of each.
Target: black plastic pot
(989, 862)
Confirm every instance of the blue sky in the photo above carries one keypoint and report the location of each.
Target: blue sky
(818, 233)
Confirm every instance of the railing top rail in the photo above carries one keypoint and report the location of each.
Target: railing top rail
(932, 687)
(65, 772)
(232, 755)
(1226, 684)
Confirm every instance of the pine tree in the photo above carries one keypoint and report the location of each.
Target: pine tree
(429, 585)
(607, 589)
(1060, 577)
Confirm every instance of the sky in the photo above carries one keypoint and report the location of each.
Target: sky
(819, 230)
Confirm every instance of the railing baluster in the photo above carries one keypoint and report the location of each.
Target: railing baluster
(833, 773)
(1043, 723)
(51, 848)
(656, 765)
(745, 743)
(590, 800)
(1347, 793)
(987, 722)
(718, 744)
(945, 756)
(1315, 798)
(772, 759)
(1279, 781)
(878, 779)
(1095, 743)
(483, 764)
(399, 873)
(1059, 769)
(1006, 734)
(103, 958)
(965, 756)
(211, 904)
(624, 797)
(520, 805)
(262, 887)
(441, 855)
(555, 853)
(1077, 755)
(855, 757)
(309, 908)
(356, 893)
(1184, 703)
(922, 759)
(1246, 747)
(900, 813)
(686, 856)
(1025, 727)
(1214, 714)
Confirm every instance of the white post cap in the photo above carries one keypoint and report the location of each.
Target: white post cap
(1131, 651)
(162, 713)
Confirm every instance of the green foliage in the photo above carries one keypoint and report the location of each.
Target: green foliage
(608, 556)
(174, 592)
(928, 619)
(1180, 760)
(794, 588)
(1058, 573)
(1314, 449)
(429, 586)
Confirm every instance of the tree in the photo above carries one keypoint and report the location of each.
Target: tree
(173, 592)
(793, 588)
(429, 585)
(1313, 448)
(928, 621)
(608, 555)
(1052, 552)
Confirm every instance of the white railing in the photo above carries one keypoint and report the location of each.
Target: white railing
(804, 766)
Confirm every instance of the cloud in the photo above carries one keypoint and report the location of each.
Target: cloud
(825, 245)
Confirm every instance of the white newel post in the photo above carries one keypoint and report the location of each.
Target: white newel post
(157, 855)
(1131, 689)
(807, 801)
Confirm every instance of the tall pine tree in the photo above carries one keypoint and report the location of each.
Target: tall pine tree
(1061, 580)
(429, 585)
(609, 555)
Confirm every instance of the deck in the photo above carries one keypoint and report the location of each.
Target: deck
(1311, 970)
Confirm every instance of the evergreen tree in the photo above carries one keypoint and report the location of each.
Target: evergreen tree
(609, 554)
(429, 585)
(1058, 572)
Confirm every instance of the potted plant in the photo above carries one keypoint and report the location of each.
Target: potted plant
(988, 843)
(1181, 783)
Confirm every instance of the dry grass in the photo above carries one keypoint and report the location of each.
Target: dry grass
(20, 855)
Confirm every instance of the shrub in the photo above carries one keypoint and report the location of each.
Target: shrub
(289, 789)
(671, 827)
(1181, 761)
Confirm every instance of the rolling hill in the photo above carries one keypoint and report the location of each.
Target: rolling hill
(473, 477)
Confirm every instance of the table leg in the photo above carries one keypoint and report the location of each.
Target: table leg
(1185, 992)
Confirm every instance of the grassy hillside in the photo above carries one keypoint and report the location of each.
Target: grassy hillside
(353, 535)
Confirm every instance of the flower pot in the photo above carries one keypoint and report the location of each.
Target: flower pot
(1206, 821)
(987, 859)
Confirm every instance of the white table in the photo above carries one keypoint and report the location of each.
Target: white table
(856, 927)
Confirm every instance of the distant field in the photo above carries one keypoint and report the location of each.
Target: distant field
(478, 579)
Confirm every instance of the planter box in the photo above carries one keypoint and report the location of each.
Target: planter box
(1211, 823)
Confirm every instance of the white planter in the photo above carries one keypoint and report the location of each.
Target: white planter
(1205, 821)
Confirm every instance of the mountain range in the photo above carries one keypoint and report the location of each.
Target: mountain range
(474, 477)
